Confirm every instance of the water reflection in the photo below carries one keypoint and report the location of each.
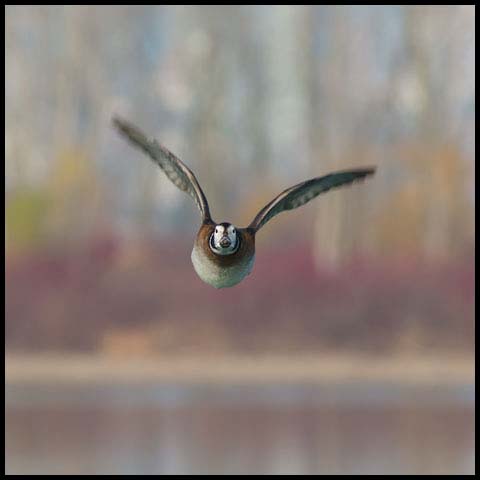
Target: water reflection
(231, 430)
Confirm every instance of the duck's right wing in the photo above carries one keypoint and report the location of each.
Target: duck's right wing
(174, 168)
(302, 193)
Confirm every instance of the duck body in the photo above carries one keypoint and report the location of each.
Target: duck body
(222, 271)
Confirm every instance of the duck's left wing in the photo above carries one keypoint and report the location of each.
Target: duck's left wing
(302, 193)
(174, 168)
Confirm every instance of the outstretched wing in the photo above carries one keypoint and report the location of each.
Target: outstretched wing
(174, 168)
(302, 193)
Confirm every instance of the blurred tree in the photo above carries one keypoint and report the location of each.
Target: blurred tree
(436, 160)
(26, 219)
(260, 93)
(77, 208)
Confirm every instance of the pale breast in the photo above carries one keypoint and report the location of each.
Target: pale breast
(220, 276)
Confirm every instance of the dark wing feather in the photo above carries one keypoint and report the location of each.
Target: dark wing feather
(174, 168)
(302, 193)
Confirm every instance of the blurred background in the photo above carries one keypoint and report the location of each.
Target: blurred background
(350, 347)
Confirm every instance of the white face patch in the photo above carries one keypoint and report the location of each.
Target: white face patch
(224, 240)
(218, 234)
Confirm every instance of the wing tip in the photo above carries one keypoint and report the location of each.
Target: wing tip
(119, 123)
(361, 173)
(365, 171)
(129, 131)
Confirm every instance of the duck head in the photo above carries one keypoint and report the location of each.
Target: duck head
(224, 239)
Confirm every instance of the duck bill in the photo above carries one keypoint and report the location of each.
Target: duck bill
(225, 242)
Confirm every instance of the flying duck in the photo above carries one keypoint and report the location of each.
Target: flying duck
(223, 255)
